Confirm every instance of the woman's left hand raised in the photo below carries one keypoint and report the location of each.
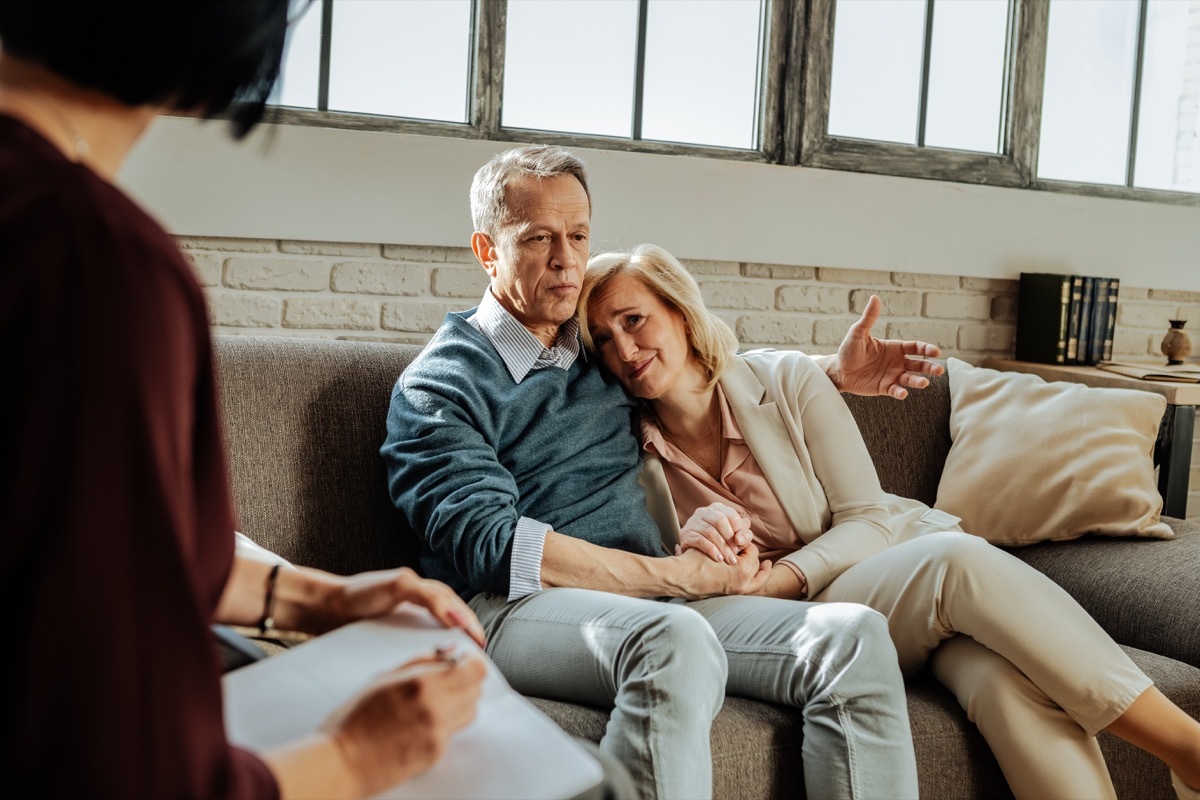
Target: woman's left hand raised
(717, 530)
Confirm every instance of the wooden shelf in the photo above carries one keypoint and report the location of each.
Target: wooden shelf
(1177, 394)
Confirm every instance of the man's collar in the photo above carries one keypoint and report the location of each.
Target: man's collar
(519, 349)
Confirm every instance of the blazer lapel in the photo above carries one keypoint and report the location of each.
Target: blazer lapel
(659, 502)
(768, 437)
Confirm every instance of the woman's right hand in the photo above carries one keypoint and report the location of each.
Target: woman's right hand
(399, 725)
(717, 530)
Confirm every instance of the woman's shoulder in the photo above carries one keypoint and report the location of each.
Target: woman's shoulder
(786, 375)
(768, 361)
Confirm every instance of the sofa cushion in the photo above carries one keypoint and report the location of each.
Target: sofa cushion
(1144, 592)
(1035, 461)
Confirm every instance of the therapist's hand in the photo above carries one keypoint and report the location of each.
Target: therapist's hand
(717, 530)
(869, 366)
(400, 724)
(343, 599)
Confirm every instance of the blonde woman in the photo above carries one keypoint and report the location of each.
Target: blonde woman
(721, 431)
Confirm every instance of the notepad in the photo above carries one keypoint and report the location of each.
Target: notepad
(511, 749)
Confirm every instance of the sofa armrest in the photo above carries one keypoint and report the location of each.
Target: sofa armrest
(1144, 592)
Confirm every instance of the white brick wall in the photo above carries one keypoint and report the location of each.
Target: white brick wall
(400, 293)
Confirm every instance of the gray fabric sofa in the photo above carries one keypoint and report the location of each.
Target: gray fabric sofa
(305, 419)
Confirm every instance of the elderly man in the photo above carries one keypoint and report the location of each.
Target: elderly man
(514, 457)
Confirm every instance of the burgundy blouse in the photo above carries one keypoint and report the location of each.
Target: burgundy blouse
(115, 513)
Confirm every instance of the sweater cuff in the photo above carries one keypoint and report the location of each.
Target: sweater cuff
(525, 574)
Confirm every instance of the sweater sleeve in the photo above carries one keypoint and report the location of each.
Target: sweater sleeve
(860, 522)
(447, 479)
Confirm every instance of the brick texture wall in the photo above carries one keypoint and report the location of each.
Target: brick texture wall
(400, 293)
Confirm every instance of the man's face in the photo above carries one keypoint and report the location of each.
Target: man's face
(536, 263)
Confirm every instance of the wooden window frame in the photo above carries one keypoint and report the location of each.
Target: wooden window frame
(794, 85)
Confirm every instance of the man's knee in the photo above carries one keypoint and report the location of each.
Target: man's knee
(855, 636)
(676, 655)
(684, 640)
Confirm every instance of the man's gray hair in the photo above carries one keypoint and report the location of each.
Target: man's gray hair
(489, 208)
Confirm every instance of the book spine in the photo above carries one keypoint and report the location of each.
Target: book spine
(1064, 319)
(1043, 302)
(1095, 351)
(1073, 321)
(1110, 329)
(1087, 295)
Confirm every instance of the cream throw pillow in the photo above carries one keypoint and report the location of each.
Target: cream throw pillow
(1034, 461)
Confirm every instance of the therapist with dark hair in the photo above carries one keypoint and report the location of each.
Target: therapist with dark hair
(117, 520)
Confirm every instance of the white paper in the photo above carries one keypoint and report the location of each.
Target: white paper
(511, 750)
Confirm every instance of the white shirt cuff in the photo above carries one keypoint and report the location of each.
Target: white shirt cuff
(525, 574)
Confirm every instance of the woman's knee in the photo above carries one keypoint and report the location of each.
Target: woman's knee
(959, 551)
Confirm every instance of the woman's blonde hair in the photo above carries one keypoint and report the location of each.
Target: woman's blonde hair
(711, 339)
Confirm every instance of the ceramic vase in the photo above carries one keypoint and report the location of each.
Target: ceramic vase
(1176, 345)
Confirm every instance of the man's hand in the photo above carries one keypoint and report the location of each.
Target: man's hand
(702, 577)
(717, 530)
(869, 366)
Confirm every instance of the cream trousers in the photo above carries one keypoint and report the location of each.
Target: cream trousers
(1032, 669)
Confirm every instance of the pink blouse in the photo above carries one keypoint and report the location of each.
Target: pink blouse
(742, 486)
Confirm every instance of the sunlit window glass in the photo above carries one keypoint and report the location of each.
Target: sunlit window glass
(1090, 56)
(300, 79)
(569, 66)
(966, 75)
(876, 85)
(401, 58)
(1168, 143)
(702, 66)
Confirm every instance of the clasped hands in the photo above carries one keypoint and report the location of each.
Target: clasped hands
(718, 540)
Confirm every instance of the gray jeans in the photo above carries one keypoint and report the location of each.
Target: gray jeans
(664, 668)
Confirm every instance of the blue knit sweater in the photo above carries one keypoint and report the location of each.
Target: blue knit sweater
(469, 451)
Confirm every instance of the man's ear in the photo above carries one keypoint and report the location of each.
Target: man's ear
(485, 252)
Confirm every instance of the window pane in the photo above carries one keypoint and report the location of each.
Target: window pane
(1168, 145)
(875, 91)
(569, 66)
(966, 74)
(1090, 58)
(300, 78)
(401, 58)
(702, 62)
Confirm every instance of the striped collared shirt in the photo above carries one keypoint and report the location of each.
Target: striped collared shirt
(520, 350)
(522, 353)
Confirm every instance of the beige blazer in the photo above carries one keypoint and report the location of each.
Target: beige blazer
(809, 448)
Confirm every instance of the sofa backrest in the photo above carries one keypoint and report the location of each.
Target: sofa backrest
(908, 439)
(304, 420)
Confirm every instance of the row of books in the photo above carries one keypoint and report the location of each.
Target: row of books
(1066, 319)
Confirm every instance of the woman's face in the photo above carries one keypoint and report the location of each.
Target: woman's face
(640, 339)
